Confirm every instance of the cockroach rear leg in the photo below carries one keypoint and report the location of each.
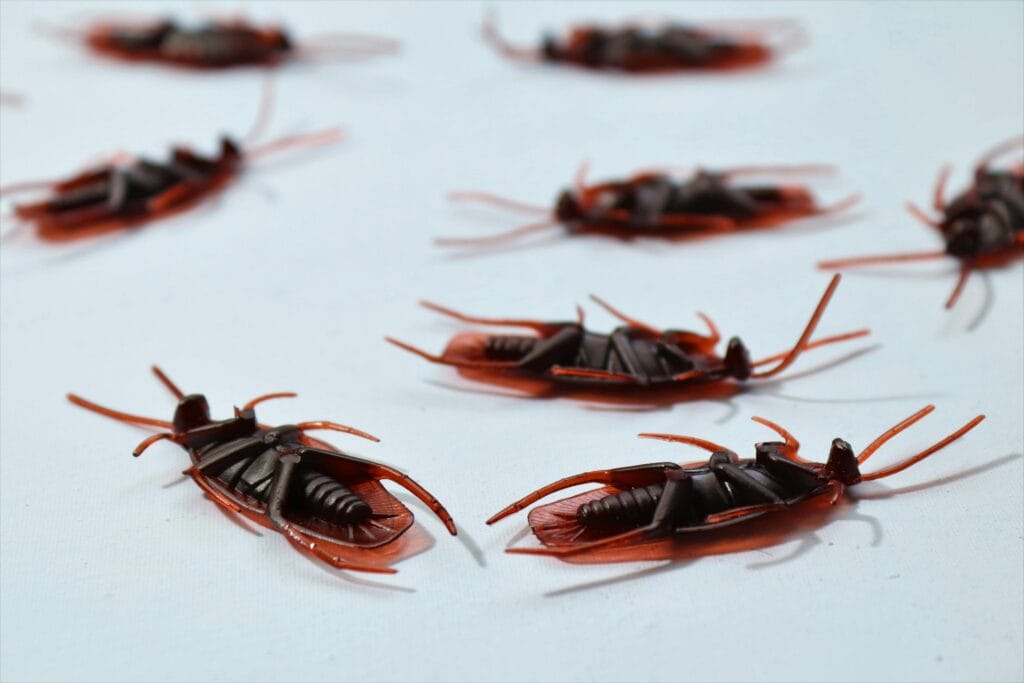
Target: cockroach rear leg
(801, 169)
(626, 477)
(792, 445)
(709, 446)
(632, 322)
(324, 424)
(279, 486)
(477, 364)
(999, 150)
(267, 397)
(495, 40)
(541, 327)
(965, 272)
(585, 373)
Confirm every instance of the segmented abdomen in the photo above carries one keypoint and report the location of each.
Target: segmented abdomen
(330, 500)
(628, 508)
(508, 347)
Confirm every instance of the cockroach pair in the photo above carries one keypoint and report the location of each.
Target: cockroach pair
(646, 48)
(636, 358)
(127, 192)
(217, 44)
(641, 505)
(657, 203)
(982, 227)
(329, 505)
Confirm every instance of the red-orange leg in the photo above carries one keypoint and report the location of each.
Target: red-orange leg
(899, 467)
(323, 424)
(540, 326)
(792, 445)
(632, 322)
(267, 397)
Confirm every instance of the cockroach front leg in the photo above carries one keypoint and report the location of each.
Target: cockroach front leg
(279, 487)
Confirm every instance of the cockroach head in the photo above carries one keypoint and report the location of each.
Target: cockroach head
(737, 359)
(568, 208)
(967, 235)
(192, 411)
(842, 463)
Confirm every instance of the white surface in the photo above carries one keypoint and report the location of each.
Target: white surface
(293, 278)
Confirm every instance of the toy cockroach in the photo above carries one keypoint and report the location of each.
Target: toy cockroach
(657, 204)
(643, 503)
(129, 192)
(635, 48)
(635, 356)
(218, 44)
(328, 504)
(982, 227)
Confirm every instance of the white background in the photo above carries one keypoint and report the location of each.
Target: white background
(291, 280)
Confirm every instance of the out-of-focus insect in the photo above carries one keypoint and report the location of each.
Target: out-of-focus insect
(640, 504)
(328, 504)
(126, 191)
(650, 48)
(217, 44)
(982, 227)
(656, 203)
(636, 358)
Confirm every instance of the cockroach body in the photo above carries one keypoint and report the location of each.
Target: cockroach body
(130, 192)
(636, 48)
(328, 504)
(657, 204)
(636, 356)
(645, 503)
(217, 44)
(982, 227)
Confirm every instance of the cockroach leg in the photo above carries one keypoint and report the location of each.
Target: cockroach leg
(406, 482)
(593, 374)
(999, 150)
(540, 327)
(146, 443)
(805, 169)
(965, 272)
(449, 361)
(792, 445)
(640, 475)
(709, 446)
(282, 479)
(939, 193)
(166, 381)
(632, 322)
(267, 397)
(918, 213)
(487, 197)
(334, 426)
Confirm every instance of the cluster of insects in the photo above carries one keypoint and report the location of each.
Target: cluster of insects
(331, 505)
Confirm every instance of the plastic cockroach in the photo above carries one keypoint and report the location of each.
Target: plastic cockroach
(982, 227)
(126, 192)
(645, 48)
(328, 504)
(658, 204)
(641, 504)
(633, 357)
(217, 44)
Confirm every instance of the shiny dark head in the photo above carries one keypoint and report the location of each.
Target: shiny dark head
(842, 463)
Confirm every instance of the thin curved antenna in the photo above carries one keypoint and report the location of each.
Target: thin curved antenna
(117, 414)
(891, 432)
(166, 381)
(798, 348)
(856, 334)
(899, 467)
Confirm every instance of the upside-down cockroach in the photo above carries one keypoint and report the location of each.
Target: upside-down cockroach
(644, 503)
(646, 48)
(633, 357)
(658, 204)
(982, 227)
(126, 191)
(217, 44)
(328, 504)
